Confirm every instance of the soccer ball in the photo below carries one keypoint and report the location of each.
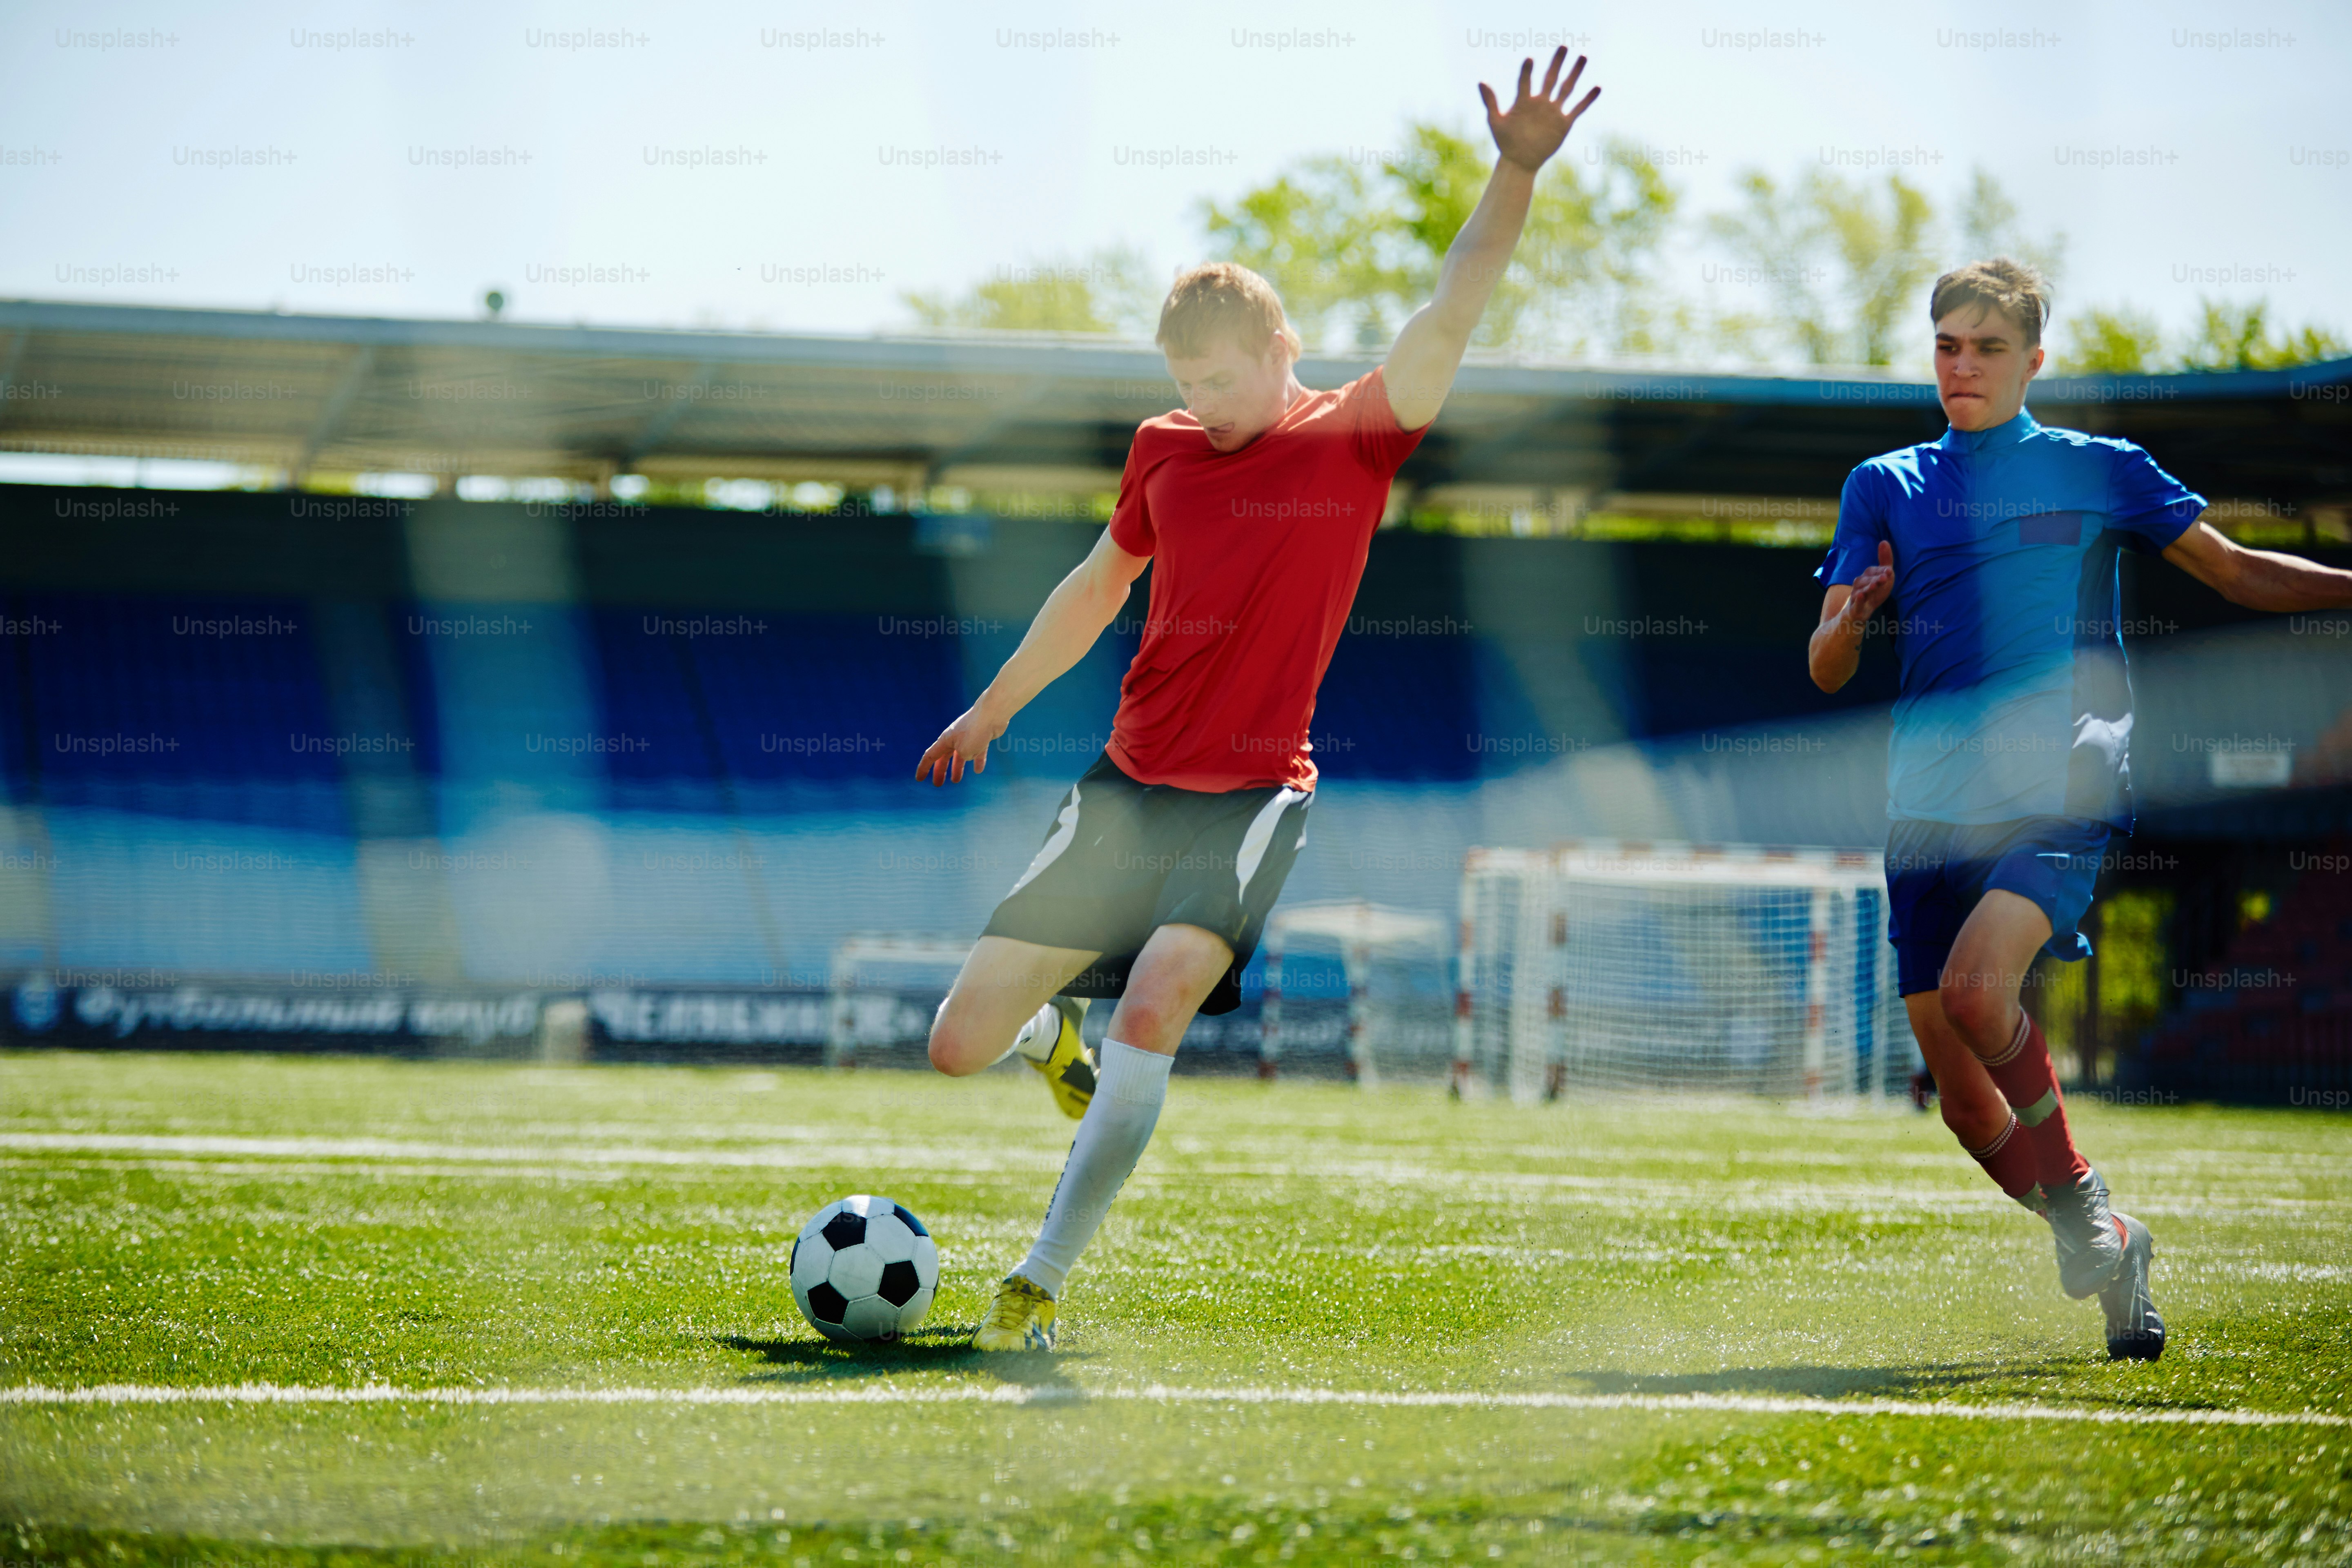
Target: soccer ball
(864, 1268)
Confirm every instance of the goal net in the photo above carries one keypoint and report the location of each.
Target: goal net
(882, 989)
(1392, 962)
(1672, 967)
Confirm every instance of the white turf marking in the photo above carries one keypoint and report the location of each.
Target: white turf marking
(361, 1151)
(1155, 1393)
(382, 1157)
(378, 1156)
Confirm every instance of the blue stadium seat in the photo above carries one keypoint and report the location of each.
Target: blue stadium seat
(827, 698)
(142, 705)
(1397, 707)
(183, 751)
(650, 693)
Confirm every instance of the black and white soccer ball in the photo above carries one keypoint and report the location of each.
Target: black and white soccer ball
(864, 1269)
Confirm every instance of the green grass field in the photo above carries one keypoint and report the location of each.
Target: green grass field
(1322, 1326)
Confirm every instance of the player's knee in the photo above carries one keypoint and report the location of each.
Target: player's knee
(1143, 1019)
(949, 1054)
(943, 1053)
(952, 1048)
(1974, 1008)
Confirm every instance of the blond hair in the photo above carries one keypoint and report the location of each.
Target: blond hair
(1222, 299)
(2004, 284)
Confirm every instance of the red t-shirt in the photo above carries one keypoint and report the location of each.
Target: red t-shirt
(1257, 554)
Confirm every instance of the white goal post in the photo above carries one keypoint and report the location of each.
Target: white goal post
(1370, 937)
(1657, 967)
(867, 1006)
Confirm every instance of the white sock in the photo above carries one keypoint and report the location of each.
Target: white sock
(1036, 1037)
(1041, 1033)
(1129, 1088)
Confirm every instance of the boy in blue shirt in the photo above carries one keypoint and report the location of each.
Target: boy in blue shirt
(2009, 761)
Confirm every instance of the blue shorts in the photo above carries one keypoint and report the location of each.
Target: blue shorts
(1937, 871)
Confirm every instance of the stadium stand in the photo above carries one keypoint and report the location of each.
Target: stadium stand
(192, 805)
(686, 765)
(205, 708)
(2271, 1020)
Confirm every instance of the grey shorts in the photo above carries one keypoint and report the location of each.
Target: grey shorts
(1124, 859)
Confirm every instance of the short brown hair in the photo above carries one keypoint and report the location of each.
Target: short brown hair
(1222, 300)
(2004, 284)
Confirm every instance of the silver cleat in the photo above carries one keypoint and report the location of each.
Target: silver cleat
(2134, 1330)
(2089, 1249)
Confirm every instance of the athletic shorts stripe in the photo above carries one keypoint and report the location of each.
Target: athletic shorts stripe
(1259, 837)
(1066, 831)
(1124, 859)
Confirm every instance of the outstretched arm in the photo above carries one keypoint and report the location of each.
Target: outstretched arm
(1421, 367)
(1073, 615)
(2258, 579)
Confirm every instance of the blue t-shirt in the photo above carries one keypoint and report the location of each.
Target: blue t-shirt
(2016, 701)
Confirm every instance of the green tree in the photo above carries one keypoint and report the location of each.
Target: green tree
(1988, 227)
(1843, 262)
(2312, 345)
(1319, 233)
(1886, 247)
(2227, 337)
(1354, 246)
(2238, 337)
(1778, 239)
(1595, 252)
(2122, 342)
(1108, 291)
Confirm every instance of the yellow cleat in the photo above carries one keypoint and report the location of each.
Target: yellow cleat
(1069, 1066)
(1020, 1318)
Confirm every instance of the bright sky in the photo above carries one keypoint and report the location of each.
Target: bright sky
(264, 155)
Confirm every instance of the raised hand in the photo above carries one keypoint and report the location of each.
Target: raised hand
(1871, 588)
(1533, 128)
(1834, 650)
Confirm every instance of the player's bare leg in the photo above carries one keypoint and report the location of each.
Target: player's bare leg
(2099, 1252)
(1169, 980)
(1978, 1003)
(1973, 1109)
(1172, 977)
(1001, 987)
(1969, 1022)
(1987, 968)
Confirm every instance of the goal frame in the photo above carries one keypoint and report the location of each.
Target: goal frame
(859, 1016)
(1359, 930)
(1499, 1013)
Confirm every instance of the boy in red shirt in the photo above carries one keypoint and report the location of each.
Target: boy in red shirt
(1258, 502)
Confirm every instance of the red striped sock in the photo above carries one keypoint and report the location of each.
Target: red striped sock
(2008, 1160)
(2029, 1084)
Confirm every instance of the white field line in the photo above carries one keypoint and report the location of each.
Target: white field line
(381, 1156)
(1154, 1393)
(363, 1149)
(1750, 1196)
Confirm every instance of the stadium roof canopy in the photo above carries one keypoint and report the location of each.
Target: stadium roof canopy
(326, 394)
